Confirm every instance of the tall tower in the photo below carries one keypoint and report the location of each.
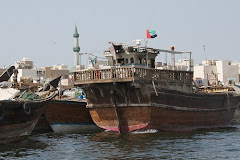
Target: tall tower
(76, 47)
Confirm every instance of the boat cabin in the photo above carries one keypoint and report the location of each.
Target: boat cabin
(120, 54)
(134, 55)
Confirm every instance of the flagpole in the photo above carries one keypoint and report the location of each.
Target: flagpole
(147, 52)
(149, 36)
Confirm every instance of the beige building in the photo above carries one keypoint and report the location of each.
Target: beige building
(215, 71)
(24, 64)
(41, 74)
(55, 71)
(237, 64)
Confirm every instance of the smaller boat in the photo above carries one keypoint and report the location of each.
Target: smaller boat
(66, 113)
(19, 111)
(70, 116)
(19, 117)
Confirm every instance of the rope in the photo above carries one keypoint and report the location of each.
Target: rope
(194, 109)
(154, 87)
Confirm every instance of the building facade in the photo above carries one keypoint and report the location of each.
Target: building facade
(217, 71)
(40, 74)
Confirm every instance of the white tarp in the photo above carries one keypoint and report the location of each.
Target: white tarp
(8, 93)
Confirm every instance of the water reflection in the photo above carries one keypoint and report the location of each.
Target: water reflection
(207, 144)
(162, 145)
(22, 147)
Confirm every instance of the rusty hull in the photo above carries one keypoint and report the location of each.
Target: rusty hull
(129, 106)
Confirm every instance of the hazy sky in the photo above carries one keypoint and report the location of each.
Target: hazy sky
(42, 30)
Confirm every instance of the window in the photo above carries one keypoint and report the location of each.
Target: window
(120, 61)
(152, 63)
(131, 60)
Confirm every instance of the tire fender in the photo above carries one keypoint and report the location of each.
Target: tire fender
(27, 109)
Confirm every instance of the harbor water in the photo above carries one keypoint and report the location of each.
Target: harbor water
(208, 144)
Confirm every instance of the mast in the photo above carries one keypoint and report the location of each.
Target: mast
(173, 56)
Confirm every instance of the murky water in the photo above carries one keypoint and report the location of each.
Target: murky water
(211, 144)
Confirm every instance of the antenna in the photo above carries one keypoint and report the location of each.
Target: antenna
(204, 49)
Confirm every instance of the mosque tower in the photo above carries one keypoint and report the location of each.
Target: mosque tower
(76, 47)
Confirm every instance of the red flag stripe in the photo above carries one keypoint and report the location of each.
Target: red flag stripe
(148, 34)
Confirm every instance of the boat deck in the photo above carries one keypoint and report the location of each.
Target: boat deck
(130, 74)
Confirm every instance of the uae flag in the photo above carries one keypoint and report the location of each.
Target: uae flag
(151, 34)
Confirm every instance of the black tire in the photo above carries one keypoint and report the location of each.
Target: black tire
(2, 113)
(27, 109)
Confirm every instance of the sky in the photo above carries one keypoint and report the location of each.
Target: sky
(43, 30)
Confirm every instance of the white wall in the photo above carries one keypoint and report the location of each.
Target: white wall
(226, 71)
(65, 82)
(27, 72)
(185, 62)
(217, 71)
(204, 72)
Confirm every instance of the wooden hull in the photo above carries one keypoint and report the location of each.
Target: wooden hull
(15, 121)
(42, 125)
(69, 117)
(125, 107)
(236, 116)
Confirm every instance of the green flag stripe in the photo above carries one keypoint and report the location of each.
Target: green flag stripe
(153, 32)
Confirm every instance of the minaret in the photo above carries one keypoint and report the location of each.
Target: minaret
(76, 47)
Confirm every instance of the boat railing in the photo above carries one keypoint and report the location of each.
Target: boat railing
(124, 74)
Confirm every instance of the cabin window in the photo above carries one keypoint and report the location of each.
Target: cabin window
(120, 61)
(130, 49)
(140, 60)
(131, 60)
(152, 63)
(126, 61)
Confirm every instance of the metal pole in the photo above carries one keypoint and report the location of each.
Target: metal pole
(190, 61)
(205, 53)
(147, 52)
(166, 58)
(173, 59)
